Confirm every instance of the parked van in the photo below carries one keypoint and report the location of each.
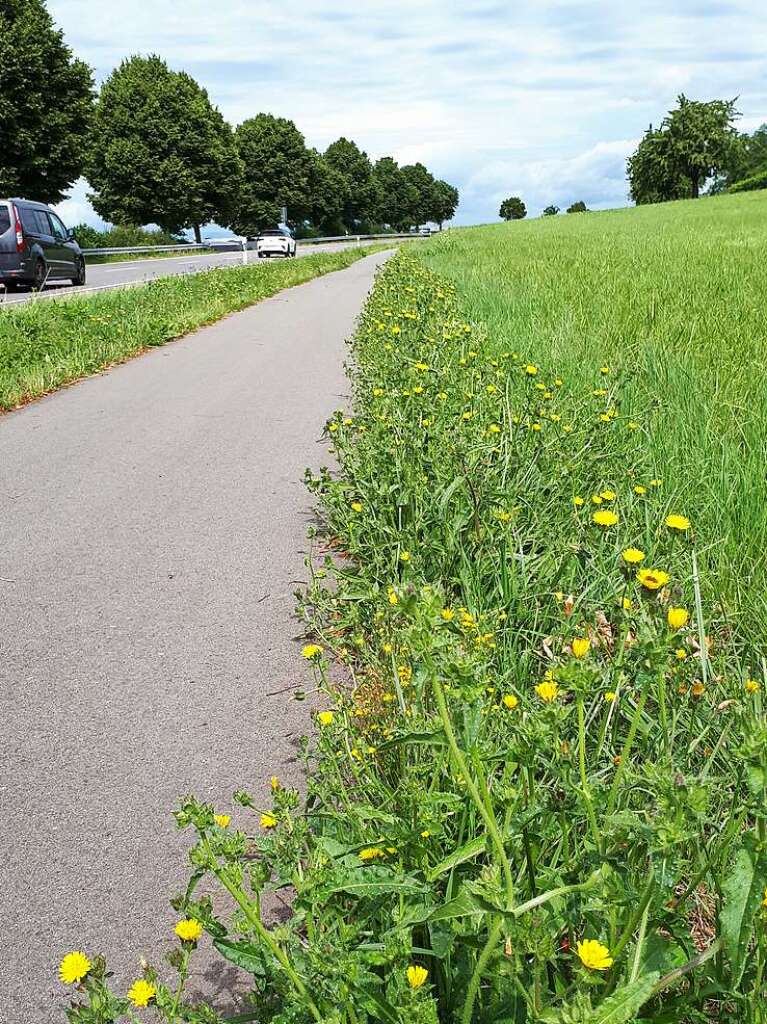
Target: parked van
(36, 247)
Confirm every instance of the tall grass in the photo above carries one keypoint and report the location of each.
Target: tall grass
(673, 298)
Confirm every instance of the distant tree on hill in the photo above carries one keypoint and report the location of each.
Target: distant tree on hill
(551, 211)
(46, 105)
(694, 142)
(579, 207)
(277, 170)
(160, 152)
(512, 209)
(418, 190)
(747, 158)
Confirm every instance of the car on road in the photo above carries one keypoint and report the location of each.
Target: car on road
(36, 247)
(275, 242)
(224, 244)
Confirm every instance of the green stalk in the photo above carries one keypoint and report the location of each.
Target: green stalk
(474, 982)
(626, 751)
(584, 781)
(485, 811)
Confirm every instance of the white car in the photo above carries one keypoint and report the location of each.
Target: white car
(275, 242)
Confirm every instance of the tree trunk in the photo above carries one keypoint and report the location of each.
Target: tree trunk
(197, 234)
(695, 186)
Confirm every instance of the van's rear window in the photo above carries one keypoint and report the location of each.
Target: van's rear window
(5, 219)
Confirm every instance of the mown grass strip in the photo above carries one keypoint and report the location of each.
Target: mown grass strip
(45, 345)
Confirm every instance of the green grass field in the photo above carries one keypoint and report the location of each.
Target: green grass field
(672, 298)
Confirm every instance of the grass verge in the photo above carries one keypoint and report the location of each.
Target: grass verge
(128, 257)
(47, 344)
(544, 797)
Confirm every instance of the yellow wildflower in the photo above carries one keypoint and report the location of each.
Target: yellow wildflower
(356, 506)
(188, 930)
(548, 691)
(677, 617)
(404, 556)
(681, 654)
(681, 523)
(604, 517)
(268, 820)
(510, 701)
(416, 976)
(653, 579)
(74, 967)
(531, 370)
(141, 992)
(222, 820)
(608, 495)
(370, 853)
(610, 696)
(311, 651)
(447, 614)
(640, 490)
(326, 717)
(581, 646)
(752, 686)
(578, 501)
(698, 689)
(594, 955)
(633, 556)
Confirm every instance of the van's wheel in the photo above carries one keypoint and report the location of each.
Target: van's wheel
(79, 279)
(40, 275)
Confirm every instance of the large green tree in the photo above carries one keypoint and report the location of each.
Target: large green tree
(512, 209)
(160, 152)
(278, 170)
(445, 199)
(390, 187)
(418, 188)
(46, 104)
(361, 201)
(694, 142)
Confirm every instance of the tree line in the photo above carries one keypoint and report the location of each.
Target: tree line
(514, 209)
(697, 146)
(155, 150)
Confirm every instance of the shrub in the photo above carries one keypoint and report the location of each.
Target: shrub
(122, 236)
(543, 797)
(752, 184)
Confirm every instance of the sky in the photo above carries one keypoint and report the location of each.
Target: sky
(544, 100)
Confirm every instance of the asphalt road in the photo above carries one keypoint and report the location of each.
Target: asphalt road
(103, 276)
(152, 532)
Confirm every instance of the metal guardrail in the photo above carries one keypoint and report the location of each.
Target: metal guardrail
(212, 244)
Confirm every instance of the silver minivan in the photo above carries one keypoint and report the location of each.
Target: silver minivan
(36, 247)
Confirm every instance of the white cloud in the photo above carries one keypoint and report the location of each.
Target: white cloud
(540, 94)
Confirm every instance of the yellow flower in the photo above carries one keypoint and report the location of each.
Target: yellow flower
(608, 495)
(447, 614)
(548, 691)
(493, 429)
(640, 490)
(626, 604)
(752, 686)
(531, 370)
(633, 556)
(681, 523)
(578, 501)
(392, 596)
(604, 369)
(655, 483)
(370, 853)
(677, 617)
(141, 992)
(222, 820)
(404, 556)
(604, 517)
(326, 717)
(610, 696)
(510, 701)
(416, 976)
(698, 689)
(188, 930)
(356, 506)
(275, 783)
(311, 651)
(594, 955)
(268, 820)
(74, 967)
(652, 579)
(581, 646)
(425, 834)
(764, 901)
(681, 654)
(597, 499)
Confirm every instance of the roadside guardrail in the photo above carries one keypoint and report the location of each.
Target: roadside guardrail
(207, 246)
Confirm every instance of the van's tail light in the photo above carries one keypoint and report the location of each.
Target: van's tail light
(19, 232)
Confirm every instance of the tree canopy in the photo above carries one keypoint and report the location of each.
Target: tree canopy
(512, 209)
(46, 105)
(695, 141)
(360, 193)
(551, 211)
(160, 152)
(578, 207)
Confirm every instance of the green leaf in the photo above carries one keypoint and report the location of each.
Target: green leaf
(427, 739)
(463, 853)
(623, 1006)
(743, 891)
(378, 1006)
(374, 887)
(243, 954)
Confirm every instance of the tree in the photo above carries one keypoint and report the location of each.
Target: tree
(694, 142)
(160, 152)
(747, 158)
(278, 170)
(390, 192)
(46, 105)
(418, 195)
(360, 192)
(512, 209)
(579, 207)
(551, 211)
(444, 202)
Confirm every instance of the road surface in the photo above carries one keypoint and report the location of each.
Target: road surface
(103, 276)
(152, 532)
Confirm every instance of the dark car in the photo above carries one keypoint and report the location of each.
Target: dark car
(36, 247)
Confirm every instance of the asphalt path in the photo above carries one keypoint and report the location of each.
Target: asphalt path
(152, 535)
(103, 276)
